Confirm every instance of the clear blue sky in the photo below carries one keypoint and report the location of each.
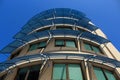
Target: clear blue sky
(15, 13)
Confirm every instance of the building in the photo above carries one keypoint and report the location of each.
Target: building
(60, 44)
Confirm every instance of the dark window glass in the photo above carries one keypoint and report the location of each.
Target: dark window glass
(34, 73)
(29, 73)
(22, 73)
(64, 28)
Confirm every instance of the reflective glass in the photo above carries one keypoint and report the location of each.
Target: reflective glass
(42, 44)
(59, 43)
(87, 47)
(34, 72)
(75, 72)
(96, 49)
(70, 43)
(99, 73)
(109, 75)
(33, 47)
(22, 73)
(59, 72)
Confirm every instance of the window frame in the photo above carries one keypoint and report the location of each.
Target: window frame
(29, 66)
(37, 43)
(67, 62)
(64, 42)
(82, 43)
(91, 65)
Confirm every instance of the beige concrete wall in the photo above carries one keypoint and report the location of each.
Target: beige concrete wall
(46, 73)
(106, 51)
(113, 50)
(100, 33)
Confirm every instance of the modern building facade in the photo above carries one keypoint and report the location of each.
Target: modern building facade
(60, 44)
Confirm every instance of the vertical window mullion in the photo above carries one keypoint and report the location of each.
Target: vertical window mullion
(104, 74)
(67, 72)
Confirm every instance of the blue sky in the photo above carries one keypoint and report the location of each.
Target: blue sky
(15, 13)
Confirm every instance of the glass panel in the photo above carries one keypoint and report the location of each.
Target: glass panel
(33, 47)
(87, 47)
(34, 73)
(96, 49)
(109, 75)
(99, 73)
(70, 43)
(42, 44)
(59, 72)
(22, 73)
(59, 43)
(75, 72)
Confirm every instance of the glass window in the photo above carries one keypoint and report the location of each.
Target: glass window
(33, 47)
(67, 72)
(87, 47)
(34, 73)
(59, 72)
(109, 75)
(70, 43)
(65, 43)
(90, 47)
(99, 73)
(59, 43)
(96, 49)
(42, 44)
(38, 45)
(28, 73)
(104, 74)
(22, 73)
(75, 72)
